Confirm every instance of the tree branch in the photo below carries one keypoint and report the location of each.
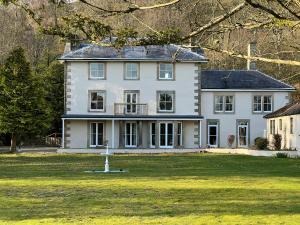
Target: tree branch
(130, 9)
(288, 9)
(266, 9)
(254, 58)
(215, 21)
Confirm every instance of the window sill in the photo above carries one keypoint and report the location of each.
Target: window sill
(165, 111)
(96, 110)
(91, 78)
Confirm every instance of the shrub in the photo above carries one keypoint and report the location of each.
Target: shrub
(261, 143)
(230, 140)
(281, 155)
(277, 141)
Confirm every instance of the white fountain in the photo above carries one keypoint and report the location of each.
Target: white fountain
(107, 153)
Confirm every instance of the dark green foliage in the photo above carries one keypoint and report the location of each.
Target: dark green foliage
(23, 109)
(54, 87)
(261, 143)
(277, 141)
(281, 155)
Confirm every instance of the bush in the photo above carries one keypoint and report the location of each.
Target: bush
(261, 143)
(230, 140)
(281, 155)
(277, 141)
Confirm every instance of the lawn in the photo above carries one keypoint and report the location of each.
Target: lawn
(159, 189)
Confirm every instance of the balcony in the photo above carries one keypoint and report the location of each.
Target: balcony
(130, 109)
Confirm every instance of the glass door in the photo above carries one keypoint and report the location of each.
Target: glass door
(212, 138)
(166, 135)
(243, 135)
(130, 134)
(131, 102)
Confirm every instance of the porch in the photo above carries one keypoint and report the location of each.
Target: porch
(148, 132)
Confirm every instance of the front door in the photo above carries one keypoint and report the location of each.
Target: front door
(131, 99)
(243, 135)
(212, 136)
(166, 135)
(130, 134)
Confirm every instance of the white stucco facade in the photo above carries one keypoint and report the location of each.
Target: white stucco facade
(78, 85)
(289, 129)
(114, 85)
(192, 122)
(243, 111)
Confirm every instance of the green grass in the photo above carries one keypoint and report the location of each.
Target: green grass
(159, 189)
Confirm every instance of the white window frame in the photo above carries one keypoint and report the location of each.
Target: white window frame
(152, 136)
(179, 134)
(129, 71)
(262, 103)
(100, 72)
(97, 133)
(165, 71)
(172, 94)
(103, 94)
(130, 134)
(166, 135)
(223, 103)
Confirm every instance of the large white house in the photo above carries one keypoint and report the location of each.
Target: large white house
(158, 97)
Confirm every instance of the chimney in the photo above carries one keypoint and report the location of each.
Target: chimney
(67, 48)
(251, 65)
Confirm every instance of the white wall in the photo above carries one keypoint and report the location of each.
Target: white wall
(289, 141)
(147, 84)
(243, 110)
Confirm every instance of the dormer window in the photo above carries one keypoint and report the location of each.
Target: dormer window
(166, 71)
(97, 71)
(131, 71)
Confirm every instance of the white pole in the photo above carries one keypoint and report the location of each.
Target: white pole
(63, 134)
(106, 166)
(113, 134)
(200, 133)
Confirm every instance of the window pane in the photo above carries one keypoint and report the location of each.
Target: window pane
(162, 134)
(218, 103)
(97, 100)
(229, 103)
(169, 106)
(131, 71)
(93, 133)
(257, 103)
(100, 133)
(96, 70)
(153, 134)
(267, 103)
(165, 102)
(165, 71)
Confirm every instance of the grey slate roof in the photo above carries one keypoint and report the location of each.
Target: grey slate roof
(288, 110)
(240, 79)
(135, 53)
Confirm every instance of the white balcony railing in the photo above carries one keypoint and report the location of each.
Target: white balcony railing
(130, 109)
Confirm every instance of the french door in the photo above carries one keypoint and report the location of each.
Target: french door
(243, 135)
(96, 134)
(131, 99)
(212, 136)
(166, 135)
(130, 134)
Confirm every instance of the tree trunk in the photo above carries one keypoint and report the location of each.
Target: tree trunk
(13, 143)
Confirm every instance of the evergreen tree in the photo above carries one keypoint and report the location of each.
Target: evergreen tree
(54, 86)
(23, 109)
